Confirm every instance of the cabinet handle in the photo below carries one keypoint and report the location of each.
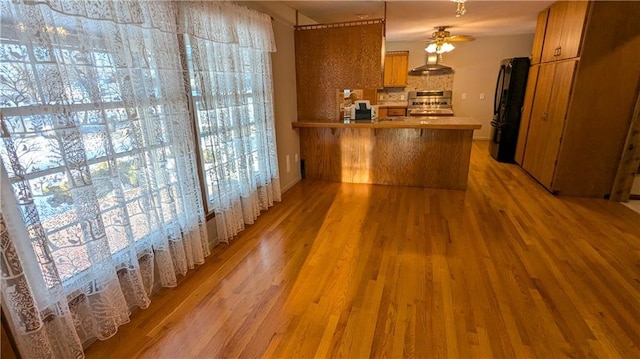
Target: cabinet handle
(559, 50)
(545, 116)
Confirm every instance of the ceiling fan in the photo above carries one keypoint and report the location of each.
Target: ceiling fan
(441, 40)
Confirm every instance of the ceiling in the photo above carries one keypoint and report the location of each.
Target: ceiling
(415, 20)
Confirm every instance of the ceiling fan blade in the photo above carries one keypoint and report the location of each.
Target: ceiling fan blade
(460, 38)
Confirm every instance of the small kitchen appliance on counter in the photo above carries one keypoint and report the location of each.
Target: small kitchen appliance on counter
(429, 103)
(363, 111)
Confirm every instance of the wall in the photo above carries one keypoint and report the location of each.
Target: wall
(475, 66)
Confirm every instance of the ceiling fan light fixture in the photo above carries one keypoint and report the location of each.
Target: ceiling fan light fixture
(435, 48)
(446, 47)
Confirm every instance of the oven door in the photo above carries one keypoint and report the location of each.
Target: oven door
(430, 112)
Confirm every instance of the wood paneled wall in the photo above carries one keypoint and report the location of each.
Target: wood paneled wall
(333, 58)
(402, 157)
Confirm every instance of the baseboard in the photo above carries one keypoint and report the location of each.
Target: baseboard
(634, 197)
(481, 138)
(288, 186)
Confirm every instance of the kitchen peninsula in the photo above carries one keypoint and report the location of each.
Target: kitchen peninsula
(431, 152)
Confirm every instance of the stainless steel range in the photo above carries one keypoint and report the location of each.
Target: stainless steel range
(429, 103)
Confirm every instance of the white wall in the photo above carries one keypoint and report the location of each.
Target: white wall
(476, 66)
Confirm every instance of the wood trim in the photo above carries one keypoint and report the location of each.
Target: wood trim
(404, 52)
(630, 159)
(339, 24)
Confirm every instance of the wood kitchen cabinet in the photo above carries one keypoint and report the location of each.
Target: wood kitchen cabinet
(527, 105)
(396, 65)
(392, 111)
(577, 112)
(564, 30)
(538, 38)
(548, 112)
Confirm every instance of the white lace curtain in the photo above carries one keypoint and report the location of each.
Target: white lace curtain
(100, 186)
(230, 69)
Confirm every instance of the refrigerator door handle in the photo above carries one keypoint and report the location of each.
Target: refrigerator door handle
(499, 86)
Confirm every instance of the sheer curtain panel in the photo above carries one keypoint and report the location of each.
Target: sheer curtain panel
(100, 186)
(228, 50)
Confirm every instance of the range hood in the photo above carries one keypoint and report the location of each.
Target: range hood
(431, 67)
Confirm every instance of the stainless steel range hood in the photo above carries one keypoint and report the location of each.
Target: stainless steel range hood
(431, 67)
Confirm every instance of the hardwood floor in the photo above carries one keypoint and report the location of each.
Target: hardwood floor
(504, 269)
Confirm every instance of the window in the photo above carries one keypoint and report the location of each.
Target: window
(90, 116)
(232, 91)
(97, 145)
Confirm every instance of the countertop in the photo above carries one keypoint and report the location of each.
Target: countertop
(426, 122)
(393, 104)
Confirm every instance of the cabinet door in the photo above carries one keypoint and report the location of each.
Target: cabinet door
(396, 112)
(536, 138)
(572, 29)
(553, 32)
(558, 105)
(538, 39)
(527, 106)
(395, 69)
(547, 122)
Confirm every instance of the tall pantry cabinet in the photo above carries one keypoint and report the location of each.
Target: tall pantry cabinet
(583, 85)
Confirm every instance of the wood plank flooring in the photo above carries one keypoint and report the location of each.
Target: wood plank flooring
(503, 269)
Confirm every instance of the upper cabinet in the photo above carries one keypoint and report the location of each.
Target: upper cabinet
(396, 65)
(538, 39)
(564, 29)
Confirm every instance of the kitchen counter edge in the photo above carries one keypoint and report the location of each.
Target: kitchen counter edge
(434, 123)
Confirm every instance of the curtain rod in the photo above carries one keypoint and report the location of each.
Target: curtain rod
(340, 24)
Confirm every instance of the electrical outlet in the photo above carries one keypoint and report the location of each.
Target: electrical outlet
(295, 158)
(401, 97)
(288, 164)
(381, 97)
(464, 95)
(482, 96)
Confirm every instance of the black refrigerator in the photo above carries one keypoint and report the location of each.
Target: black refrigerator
(507, 108)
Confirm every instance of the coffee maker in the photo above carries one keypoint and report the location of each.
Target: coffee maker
(363, 111)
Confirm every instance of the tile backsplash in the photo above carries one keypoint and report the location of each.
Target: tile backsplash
(424, 82)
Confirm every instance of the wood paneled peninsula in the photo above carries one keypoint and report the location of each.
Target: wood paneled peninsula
(431, 152)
